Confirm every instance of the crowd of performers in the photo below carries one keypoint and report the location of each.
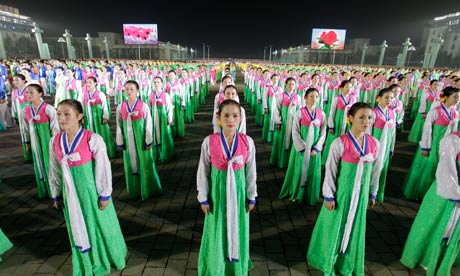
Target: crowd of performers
(343, 118)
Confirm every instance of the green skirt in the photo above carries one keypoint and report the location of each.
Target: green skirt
(108, 246)
(100, 128)
(377, 133)
(425, 246)
(323, 251)
(5, 244)
(213, 258)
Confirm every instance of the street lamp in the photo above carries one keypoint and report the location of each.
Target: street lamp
(274, 53)
(410, 49)
(209, 49)
(61, 40)
(270, 55)
(204, 51)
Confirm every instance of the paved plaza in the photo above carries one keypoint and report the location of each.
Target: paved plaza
(163, 234)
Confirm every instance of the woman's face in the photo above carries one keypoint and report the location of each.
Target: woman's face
(453, 99)
(312, 98)
(230, 117)
(68, 118)
(230, 93)
(362, 119)
(131, 90)
(32, 94)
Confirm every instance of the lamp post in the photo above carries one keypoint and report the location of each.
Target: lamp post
(383, 46)
(274, 53)
(411, 49)
(38, 36)
(363, 54)
(437, 42)
(209, 50)
(402, 60)
(68, 37)
(204, 51)
(270, 56)
(106, 43)
(61, 40)
(90, 47)
(265, 49)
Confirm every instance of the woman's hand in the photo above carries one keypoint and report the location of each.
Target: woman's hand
(330, 205)
(424, 116)
(278, 127)
(105, 121)
(57, 204)
(103, 204)
(371, 203)
(425, 153)
(265, 110)
(332, 131)
(250, 207)
(205, 208)
(313, 153)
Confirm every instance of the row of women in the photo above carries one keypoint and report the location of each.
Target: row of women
(356, 153)
(71, 160)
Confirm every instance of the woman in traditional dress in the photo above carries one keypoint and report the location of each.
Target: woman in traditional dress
(81, 181)
(226, 184)
(303, 176)
(350, 185)
(134, 137)
(40, 124)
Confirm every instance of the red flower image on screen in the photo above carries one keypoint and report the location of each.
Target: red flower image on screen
(138, 34)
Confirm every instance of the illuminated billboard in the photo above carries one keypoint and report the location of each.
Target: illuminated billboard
(328, 39)
(140, 33)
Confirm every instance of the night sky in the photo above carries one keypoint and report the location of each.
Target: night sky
(234, 30)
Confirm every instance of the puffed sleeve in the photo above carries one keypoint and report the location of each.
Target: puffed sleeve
(276, 109)
(427, 135)
(169, 109)
(148, 125)
(265, 98)
(422, 107)
(55, 172)
(376, 171)
(330, 122)
(332, 168)
(103, 171)
(322, 134)
(119, 133)
(203, 173)
(299, 144)
(105, 111)
(54, 124)
(447, 184)
(243, 121)
(251, 172)
(26, 128)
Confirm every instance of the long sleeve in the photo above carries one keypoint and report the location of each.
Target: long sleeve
(401, 115)
(251, 171)
(216, 103)
(330, 122)
(54, 125)
(423, 100)
(322, 134)
(55, 172)
(299, 144)
(105, 111)
(447, 180)
(242, 128)
(427, 135)
(265, 98)
(119, 139)
(103, 171)
(393, 140)
(204, 169)
(276, 109)
(148, 125)
(169, 109)
(332, 168)
(376, 172)
(26, 128)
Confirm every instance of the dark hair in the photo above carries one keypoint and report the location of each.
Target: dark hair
(391, 78)
(172, 71)
(314, 75)
(357, 106)
(158, 77)
(393, 86)
(274, 75)
(384, 91)
(133, 82)
(289, 79)
(93, 78)
(228, 102)
(433, 81)
(226, 77)
(265, 71)
(449, 90)
(76, 105)
(303, 74)
(231, 86)
(37, 87)
(345, 82)
(21, 76)
(310, 90)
